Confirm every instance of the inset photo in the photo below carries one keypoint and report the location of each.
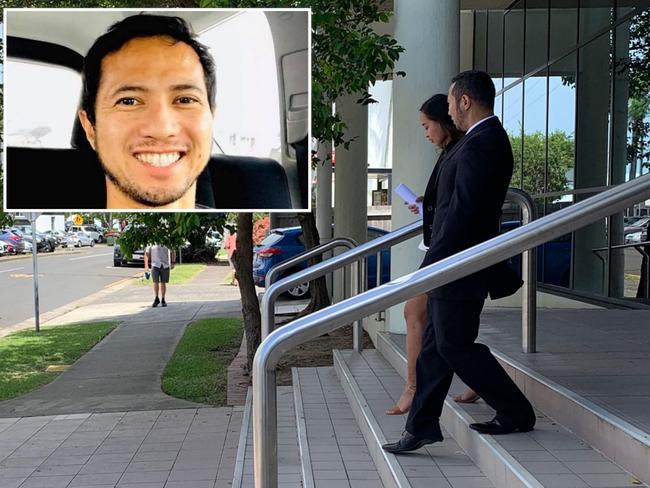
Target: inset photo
(170, 110)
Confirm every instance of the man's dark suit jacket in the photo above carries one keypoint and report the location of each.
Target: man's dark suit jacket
(469, 189)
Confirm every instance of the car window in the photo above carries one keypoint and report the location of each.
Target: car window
(247, 119)
(31, 125)
(272, 238)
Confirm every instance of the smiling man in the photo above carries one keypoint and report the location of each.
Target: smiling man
(147, 111)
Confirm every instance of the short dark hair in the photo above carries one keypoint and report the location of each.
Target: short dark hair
(436, 108)
(136, 26)
(477, 85)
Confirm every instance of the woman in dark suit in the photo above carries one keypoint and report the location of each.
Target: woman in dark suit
(441, 131)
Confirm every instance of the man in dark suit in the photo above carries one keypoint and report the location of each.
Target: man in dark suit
(471, 188)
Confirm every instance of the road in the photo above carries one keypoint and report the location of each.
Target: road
(64, 276)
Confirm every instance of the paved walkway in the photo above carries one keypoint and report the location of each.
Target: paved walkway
(123, 372)
(105, 422)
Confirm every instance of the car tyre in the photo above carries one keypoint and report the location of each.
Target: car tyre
(117, 263)
(92, 243)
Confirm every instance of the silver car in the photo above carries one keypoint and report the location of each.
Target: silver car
(79, 239)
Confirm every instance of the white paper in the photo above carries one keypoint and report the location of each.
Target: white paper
(406, 194)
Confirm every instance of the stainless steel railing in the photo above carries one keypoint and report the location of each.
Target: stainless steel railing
(359, 253)
(272, 293)
(354, 256)
(437, 274)
(306, 255)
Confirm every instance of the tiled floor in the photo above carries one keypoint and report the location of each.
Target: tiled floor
(193, 448)
(603, 355)
(289, 471)
(338, 451)
(441, 465)
(551, 453)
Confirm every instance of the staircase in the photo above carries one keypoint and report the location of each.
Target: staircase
(331, 425)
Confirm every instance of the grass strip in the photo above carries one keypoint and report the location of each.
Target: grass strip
(198, 369)
(25, 355)
(180, 275)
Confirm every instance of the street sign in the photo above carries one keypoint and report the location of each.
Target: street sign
(78, 220)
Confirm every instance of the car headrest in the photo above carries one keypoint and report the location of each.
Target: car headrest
(57, 179)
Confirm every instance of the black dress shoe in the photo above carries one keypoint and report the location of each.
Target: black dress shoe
(498, 427)
(408, 443)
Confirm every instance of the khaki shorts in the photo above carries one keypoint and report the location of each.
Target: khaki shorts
(160, 275)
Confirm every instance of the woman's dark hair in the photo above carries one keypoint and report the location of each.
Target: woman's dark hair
(477, 85)
(437, 109)
(141, 25)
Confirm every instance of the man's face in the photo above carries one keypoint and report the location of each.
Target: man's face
(153, 124)
(455, 112)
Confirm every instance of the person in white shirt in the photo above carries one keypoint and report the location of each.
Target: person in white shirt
(159, 260)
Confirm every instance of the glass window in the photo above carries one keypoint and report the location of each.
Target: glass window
(495, 43)
(513, 65)
(247, 120)
(28, 123)
(595, 15)
(534, 143)
(592, 160)
(513, 124)
(563, 28)
(480, 39)
(536, 34)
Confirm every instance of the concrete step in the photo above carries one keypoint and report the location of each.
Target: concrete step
(592, 452)
(319, 443)
(289, 467)
(372, 386)
(333, 451)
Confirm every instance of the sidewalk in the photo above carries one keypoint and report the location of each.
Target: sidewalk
(105, 422)
(123, 372)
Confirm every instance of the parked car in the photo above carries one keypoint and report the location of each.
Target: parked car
(283, 244)
(44, 242)
(79, 239)
(15, 242)
(91, 231)
(3, 248)
(120, 260)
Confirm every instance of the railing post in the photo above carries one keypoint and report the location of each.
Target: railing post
(529, 275)
(265, 428)
(357, 273)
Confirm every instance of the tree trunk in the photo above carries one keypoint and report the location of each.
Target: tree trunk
(243, 262)
(318, 288)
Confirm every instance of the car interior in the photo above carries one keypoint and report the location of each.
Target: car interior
(229, 181)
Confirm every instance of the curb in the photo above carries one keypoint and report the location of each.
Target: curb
(63, 309)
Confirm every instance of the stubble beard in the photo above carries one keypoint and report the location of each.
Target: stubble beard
(142, 196)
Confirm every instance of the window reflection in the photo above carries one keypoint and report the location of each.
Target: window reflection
(480, 40)
(563, 33)
(595, 15)
(536, 34)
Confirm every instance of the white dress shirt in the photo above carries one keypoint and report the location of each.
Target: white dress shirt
(479, 122)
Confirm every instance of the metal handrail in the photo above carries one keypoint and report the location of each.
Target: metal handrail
(354, 256)
(268, 304)
(425, 279)
(308, 254)
(529, 291)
